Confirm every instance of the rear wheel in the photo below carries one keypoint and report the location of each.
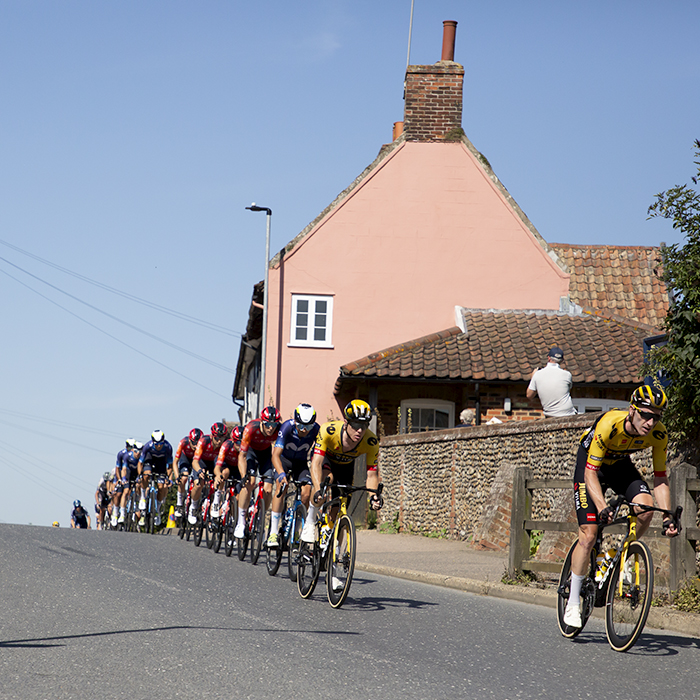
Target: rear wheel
(274, 554)
(341, 561)
(257, 536)
(588, 590)
(228, 527)
(294, 540)
(198, 530)
(629, 597)
(309, 567)
(151, 514)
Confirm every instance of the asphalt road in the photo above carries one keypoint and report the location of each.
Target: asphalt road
(88, 614)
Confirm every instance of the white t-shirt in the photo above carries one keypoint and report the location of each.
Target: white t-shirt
(553, 384)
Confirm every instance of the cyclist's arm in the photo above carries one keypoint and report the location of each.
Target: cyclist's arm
(594, 489)
(243, 463)
(276, 461)
(316, 470)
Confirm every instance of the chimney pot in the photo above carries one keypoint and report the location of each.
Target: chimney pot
(449, 31)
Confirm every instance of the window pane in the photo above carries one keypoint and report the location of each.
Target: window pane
(321, 306)
(319, 333)
(302, 305)
(442, 420)
(300, 333)
(303, 320)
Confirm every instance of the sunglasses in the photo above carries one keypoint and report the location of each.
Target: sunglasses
(270, 424)
(648, 415)
(358, 424)
(303, 428)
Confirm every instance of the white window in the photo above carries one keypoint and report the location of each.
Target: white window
(312, 321)
(419, 415)
(597, 405)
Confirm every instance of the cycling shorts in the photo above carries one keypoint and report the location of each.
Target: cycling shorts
(159, 467)
(622, 477)
(297, 468)
(260, 464)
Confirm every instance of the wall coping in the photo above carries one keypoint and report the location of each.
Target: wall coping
(542, 425)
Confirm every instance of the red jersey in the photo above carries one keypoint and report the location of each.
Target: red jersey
(228, 454)
(185, 447)
(206, 450)
(253, 438)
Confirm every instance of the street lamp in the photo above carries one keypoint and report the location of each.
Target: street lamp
(254, 207)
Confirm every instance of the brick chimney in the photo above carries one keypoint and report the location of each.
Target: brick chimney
(433, 99)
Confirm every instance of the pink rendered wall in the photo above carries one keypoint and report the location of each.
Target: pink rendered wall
(426, 231)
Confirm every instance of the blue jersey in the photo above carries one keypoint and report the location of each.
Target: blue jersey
(161, 458)
(121, 458)
(295, 447)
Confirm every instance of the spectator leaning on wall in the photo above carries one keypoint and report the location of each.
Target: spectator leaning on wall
(553, 385)
(466, 417)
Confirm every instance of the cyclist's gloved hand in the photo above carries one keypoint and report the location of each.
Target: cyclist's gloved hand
(376, 502)
(605, 516)
(668, 524)
(318, 498)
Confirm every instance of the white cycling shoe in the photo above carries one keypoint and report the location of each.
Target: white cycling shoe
(308, 533)
(191, 518)
(239, 532)
(572, 616)
(337, 584)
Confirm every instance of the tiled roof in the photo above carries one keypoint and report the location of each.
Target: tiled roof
(508, 345)
(624, 280)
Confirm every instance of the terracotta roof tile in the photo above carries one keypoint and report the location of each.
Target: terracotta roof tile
(506, 345)
(616, 278)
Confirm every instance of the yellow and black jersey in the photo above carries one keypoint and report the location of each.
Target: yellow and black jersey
(329, 443)
(607, 442)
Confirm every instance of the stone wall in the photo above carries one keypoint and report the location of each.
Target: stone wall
(459, 481)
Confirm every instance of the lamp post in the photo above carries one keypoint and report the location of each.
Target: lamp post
(254, 207)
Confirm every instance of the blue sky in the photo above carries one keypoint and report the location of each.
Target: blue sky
(134, 134)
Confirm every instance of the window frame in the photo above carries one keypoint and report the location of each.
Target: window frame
(436, 404)
(294, 342)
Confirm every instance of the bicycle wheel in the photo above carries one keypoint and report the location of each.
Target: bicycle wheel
(294, 540)
(151, 514)
(257, 535)
(309, 567)
(628, 605)
(198, 530)
(588, 590)
(229, 526)
(274, 554)
(341, 561)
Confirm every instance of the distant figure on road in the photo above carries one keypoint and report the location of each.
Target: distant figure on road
(79, 518)
(553, 385)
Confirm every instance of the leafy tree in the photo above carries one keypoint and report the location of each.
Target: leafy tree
(679, 359)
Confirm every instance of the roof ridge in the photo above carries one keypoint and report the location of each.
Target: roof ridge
(604, 245)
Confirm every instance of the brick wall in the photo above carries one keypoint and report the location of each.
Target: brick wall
(433, 105)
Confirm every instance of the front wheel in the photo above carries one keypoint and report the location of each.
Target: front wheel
(341, 561)
(629, 597)
(309, 567)
(588, 591)
(294, 540)
(229, 526)
(257, 535)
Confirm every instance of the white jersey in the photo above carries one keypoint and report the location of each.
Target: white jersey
(553, 384)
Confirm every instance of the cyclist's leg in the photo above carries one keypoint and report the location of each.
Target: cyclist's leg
(184, 468)
(308, 533)
(628, 482)
(278, 502)
(244, 495)
(145, 482)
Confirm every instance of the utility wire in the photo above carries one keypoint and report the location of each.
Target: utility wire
(119, 340)
(54, 437)
(63, 424)
(126, 295)
(115, 318)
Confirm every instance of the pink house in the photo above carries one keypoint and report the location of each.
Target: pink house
(426, 230)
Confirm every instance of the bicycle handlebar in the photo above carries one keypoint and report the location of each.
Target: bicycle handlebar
(616, 503)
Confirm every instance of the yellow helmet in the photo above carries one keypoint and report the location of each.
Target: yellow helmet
(55, 524)
(646, 396)
(358, 410)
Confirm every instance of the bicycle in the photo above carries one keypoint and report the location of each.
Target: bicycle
(292, 523)
(154, 482)
(185, 527)
(216, 526)
(203, 510)
(254, 524)
(622, 580)
(334, 547)
(229, 516)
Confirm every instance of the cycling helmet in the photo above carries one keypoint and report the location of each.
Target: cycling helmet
(130, 442)
(76, 504)
(219, 430)
(195, 434)
(138, 445)
(270, 415)
(105, 476)
(55, 524)
(646, 396)
(236, 434)
(157, 436)
(304, 414)
(358, 410)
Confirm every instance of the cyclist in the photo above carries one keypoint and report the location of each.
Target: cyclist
(79, 517)
(129, 473)
(121, 455)
(254, 457)
(203, 461)
(338, 443)
(290, 455)
(103, 499)
(157, 459)
(603, 461)
(182, 466)
(225, 463)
